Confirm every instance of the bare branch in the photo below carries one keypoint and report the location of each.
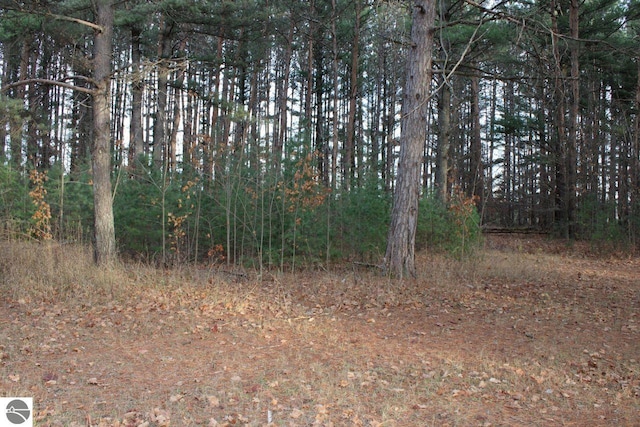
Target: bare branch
(50, 82)
(56, 16)
(76, 20)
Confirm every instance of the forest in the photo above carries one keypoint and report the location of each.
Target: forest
(197, 198)
(268, 133)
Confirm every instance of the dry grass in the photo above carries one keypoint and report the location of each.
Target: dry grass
(517, 337)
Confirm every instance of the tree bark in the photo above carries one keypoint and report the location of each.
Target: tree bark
(160, 123)
(350, 144)
(572, 156)
(400, 255)
(335, 98)
(560, 137)
(475, 165)
(444, 132)
(105, 240)
(635, 162)
(136, 148)
(282, 94)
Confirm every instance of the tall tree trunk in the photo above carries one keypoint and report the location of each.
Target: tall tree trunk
(308, 113)
(335, 98)
(105, 241)
(350, 145)
(508, 186)
(321, 144)
(400, 255)
(172, 148)
(560, 137)
(28, 61)
(283, 99)
(546, 184)
(209, 143)
(388, 126)
(136, 147)
(635, 162)
(189, 157)
(492, 139)
(476, 168)
(43, 111)
(572, 143)
(160, 123)
(19, 71)
(442, 150)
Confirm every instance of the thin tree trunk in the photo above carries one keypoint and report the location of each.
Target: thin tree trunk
(336, 91)
(350, 145)
(492, 138)
(442, 153)
(43, 109)
(136, 147)
(210, 149)
(635, 162)
(509, 179)
(160, 123)
(546, 184)
(560, 138)
(400, 255)
(572, 143)
(308, 113)
(282, 92)
(321, 146)
(15, 124)
(189, 157)
(476, 168)
(27, 70)
(172, 155)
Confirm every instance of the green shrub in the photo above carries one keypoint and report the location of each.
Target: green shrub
(361, 220)
(597, 222)
(15, 205)
(138, 210)
(71, 199)
(454, 228)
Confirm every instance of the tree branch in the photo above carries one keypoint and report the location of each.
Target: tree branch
(76, 20)
(51, 82)
(56, 16)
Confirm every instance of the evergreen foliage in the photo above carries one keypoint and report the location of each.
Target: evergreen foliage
(597, 222)
(454, 228)
(16, 208)
(268, 132)
(71, 199)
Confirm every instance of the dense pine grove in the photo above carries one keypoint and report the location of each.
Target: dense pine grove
(267, 133)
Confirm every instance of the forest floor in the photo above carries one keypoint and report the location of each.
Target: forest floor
(529, 332)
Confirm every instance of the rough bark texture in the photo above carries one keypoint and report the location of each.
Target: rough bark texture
(442, 155)
(559, 140)
(476, 169)
(400, 255)
(350, 146)
(160, 124)
(137, 86)
(105, 241)
(572, 154)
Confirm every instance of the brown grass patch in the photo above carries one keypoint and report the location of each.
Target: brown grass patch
(511, 337)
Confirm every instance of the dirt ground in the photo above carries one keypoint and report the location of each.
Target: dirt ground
(527, 333)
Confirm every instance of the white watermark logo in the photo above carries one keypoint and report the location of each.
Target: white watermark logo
(16, 411)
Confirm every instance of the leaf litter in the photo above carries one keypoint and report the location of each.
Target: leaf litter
(467, 343)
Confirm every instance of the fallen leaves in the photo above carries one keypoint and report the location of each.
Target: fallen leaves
(214, 401)
(335, 353)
